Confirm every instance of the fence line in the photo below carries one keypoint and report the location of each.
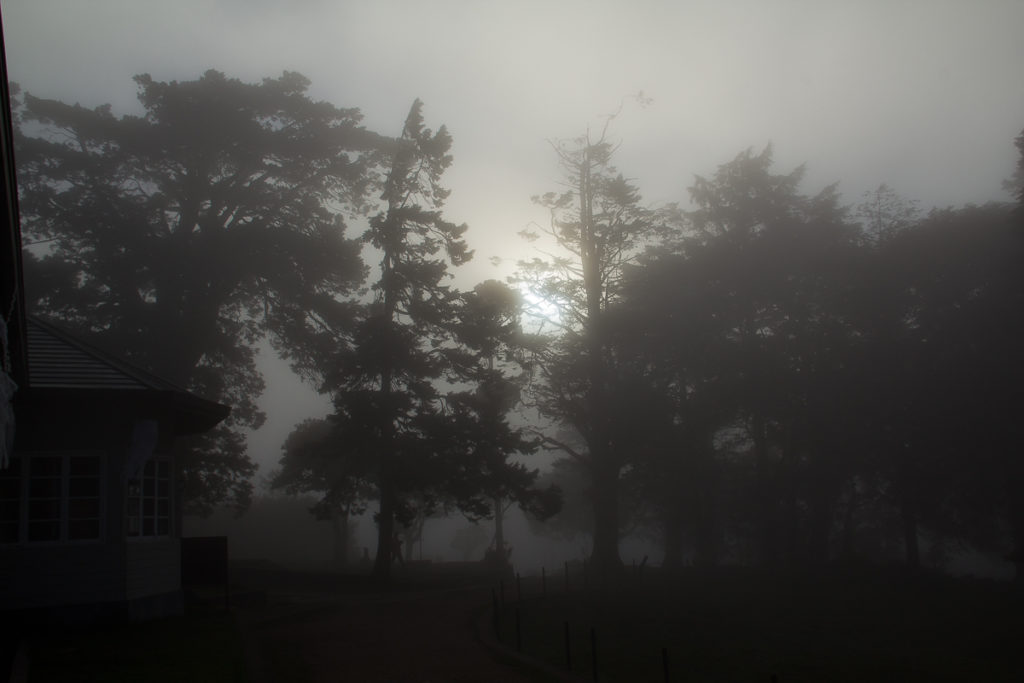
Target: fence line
(548, 641)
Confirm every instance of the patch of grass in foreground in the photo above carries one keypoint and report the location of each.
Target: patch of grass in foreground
(745, 627)
(196, 649)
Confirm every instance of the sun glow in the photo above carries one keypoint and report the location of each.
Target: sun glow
(540, 313)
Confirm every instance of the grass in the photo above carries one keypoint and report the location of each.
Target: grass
(200, 648)
(746, 627)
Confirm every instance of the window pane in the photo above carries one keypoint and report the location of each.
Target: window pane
(85, 465)
(43, 465)
(84, 508)
(163, 488)
(163, 507)
(81, 529)
(9, 510)
(163, 526)
(44, 509)
(44, 488)
(8, 532)
(163, 468)
(13, 470)
(148, 487)
(81, 487)
(134, 506)
(10, 487)
(147, 526)
(149, 469)
(133, 526)
(43, 531)
(149, 507)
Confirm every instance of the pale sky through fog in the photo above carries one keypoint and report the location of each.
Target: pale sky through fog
(923, 95)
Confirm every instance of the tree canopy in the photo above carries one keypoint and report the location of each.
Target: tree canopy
(183, 236)
(769, 377)
(598, 226)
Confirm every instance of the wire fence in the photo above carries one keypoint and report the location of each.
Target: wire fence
(539, 616)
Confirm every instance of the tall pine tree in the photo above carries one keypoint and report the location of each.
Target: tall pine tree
(387, 404)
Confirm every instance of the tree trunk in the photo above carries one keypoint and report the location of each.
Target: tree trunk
(499, 533)
(705, 541)
(909, 514)
(603, 458)
(673, 540)
(825, 494)
(765, 510)
(410, 547)
(339, 520)
(910, 537)
(605, 557)
(385, 529)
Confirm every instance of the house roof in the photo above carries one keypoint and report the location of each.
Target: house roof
(58, 361)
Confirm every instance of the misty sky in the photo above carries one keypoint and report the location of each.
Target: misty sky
(926, 96)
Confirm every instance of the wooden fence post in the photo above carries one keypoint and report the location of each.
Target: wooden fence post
(519, 632)
(593, 654)
(568, 651)
(496, 619)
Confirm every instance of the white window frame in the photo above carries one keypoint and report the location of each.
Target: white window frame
(64, 498)
(147, 492)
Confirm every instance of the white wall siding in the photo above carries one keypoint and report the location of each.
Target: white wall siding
(64, 574)
(152, 567)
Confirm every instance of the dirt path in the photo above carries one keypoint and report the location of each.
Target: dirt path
(427, 636)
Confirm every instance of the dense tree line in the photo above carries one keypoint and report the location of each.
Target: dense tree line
(182, 238)
(179, 238)
(768, 377)
(792, 382)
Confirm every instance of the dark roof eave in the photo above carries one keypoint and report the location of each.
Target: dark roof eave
(191, 414)
(196, 415)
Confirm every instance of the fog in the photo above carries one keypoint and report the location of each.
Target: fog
(706, 305)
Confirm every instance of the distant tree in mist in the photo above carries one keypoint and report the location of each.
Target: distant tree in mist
(884, 213)
(742, 331)
(575, 518)
(490, 332)
(469, 541)
(818, 389)
(182, 237)
(317, 461)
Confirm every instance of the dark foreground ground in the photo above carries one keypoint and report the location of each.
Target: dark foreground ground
(736, 625)
(422, 629)
(434, 625)
(285, 626)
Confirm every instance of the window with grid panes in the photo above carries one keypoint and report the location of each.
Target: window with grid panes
(51, 497)
(10, 502)
(149, 500)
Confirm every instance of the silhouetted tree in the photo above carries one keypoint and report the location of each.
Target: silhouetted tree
(959, 384)
(490, 330)
(182, 237)
(743, 332)
(386, 402)
(575, 517)
(598, 225)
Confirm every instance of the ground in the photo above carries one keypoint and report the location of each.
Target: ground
(319, 628)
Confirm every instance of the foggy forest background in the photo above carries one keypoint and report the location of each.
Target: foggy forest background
(755, 375)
